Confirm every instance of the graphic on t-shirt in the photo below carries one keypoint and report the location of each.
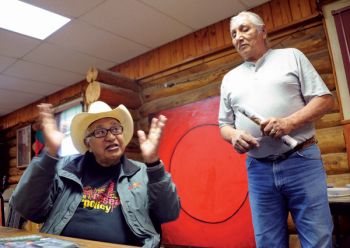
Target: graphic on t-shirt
(103, 198)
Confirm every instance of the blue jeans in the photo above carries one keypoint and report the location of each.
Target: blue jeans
(296, 185)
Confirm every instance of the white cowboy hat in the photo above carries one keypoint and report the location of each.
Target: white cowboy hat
(99, 110)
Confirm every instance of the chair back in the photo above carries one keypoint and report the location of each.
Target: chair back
(14, 219)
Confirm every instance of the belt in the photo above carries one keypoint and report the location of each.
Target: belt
(283, 156)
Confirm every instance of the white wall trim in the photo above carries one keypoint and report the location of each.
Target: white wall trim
(342, 85)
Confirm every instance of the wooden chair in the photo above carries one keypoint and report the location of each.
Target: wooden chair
(10, 217)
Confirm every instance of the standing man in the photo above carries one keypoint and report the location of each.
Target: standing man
(100, 194)
(283, 87)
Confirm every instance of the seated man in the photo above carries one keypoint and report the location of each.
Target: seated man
(99, 195)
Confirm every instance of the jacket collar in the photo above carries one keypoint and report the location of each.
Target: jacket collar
(74, 169)
(128, 168)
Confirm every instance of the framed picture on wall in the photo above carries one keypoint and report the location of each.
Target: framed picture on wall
(24, 146)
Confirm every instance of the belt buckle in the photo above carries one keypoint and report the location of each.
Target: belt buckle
(273, 158)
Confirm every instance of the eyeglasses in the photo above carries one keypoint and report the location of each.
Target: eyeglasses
(102, 132)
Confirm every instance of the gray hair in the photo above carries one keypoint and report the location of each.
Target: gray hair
(254, 18)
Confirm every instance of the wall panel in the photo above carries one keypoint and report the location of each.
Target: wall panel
(300, 9)
(281, 12)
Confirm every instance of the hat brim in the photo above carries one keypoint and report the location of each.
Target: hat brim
(82, 121)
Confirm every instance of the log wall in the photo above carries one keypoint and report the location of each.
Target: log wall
(191, 68)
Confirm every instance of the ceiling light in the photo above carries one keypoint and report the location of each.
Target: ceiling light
(29, 20)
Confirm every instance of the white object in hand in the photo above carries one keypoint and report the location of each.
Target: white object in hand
(256, 118)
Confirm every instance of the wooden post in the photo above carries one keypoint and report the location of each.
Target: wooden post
(111, 78)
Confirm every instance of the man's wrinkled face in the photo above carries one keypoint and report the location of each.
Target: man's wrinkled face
(248, 39)
(107, 147)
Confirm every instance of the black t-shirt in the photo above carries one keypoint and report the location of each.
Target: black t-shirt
(99, 215)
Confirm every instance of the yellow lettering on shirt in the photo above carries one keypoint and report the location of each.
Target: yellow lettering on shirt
(104, 198)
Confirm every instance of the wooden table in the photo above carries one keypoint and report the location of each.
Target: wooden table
(6, 232)
(340, 206)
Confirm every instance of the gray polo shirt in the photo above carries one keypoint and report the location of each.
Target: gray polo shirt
(277, 85)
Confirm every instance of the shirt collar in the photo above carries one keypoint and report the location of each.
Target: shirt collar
(260, 61)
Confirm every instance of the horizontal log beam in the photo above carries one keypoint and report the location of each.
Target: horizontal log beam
(13, 162)
(321, 61)
(112, 78)
(329, 120)
(13, 152)
(226, 61)
(307, 40)
(13, 179)
(339, 180)
(112, 95)
(173, 88)
(180, 99)
(347, 140)
(336, 163)
(331, 140)
(15, 171)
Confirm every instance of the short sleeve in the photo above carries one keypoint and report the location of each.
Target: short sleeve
(311, 83)
(226, 116)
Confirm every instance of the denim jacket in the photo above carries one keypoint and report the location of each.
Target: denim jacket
(50, 191)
